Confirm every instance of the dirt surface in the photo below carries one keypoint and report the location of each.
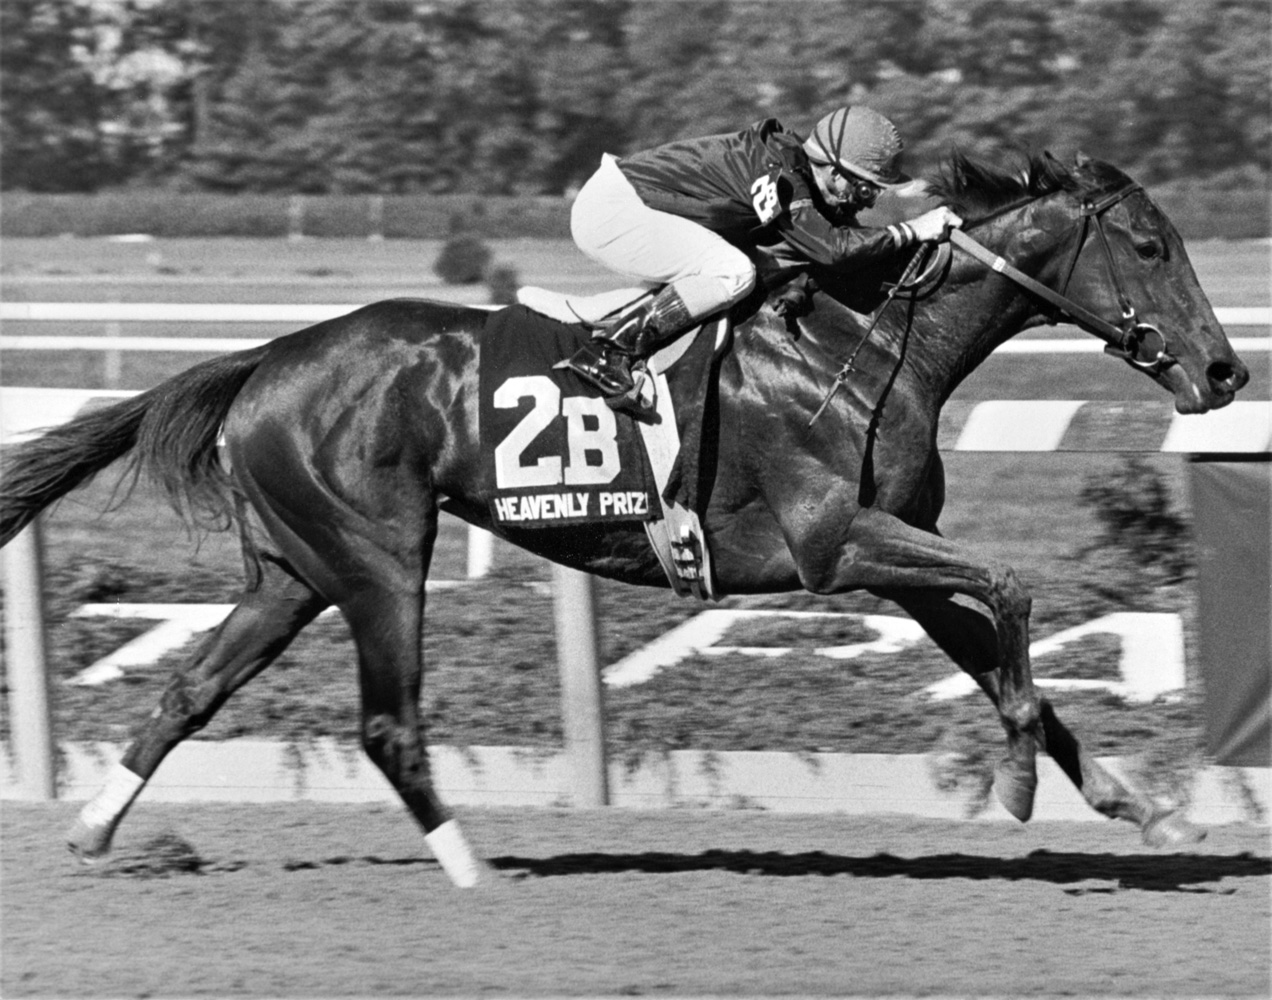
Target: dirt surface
(332, 901)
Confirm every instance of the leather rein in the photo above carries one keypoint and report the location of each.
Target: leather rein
(1130, 339)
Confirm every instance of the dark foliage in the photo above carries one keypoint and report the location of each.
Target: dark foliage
(463, 260)
(1139, 524)
(503, 283)
(396, 98)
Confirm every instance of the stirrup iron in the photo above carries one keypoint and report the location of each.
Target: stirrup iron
(600, 370)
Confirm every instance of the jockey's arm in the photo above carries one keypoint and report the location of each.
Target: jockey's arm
(849, 247)
(852, 247)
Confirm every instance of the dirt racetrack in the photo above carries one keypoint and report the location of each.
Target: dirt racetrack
(317, 901)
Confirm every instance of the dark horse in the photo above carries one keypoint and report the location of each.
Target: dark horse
(345, 440)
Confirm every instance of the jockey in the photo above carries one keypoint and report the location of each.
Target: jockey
(690, 215)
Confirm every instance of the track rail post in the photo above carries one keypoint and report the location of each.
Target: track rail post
(30, 717)
(574, 602)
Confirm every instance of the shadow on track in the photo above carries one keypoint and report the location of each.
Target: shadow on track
(1088, 873)
(1153, 872)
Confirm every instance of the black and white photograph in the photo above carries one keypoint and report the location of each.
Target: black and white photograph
(617, 498)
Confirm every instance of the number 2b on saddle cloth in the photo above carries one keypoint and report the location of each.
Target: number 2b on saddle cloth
(559, 454)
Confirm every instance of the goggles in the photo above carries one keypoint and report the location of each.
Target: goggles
(860, 191)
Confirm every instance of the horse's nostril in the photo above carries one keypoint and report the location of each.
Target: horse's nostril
(1228, 376)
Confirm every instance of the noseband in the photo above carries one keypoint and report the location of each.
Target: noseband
(1130, 340)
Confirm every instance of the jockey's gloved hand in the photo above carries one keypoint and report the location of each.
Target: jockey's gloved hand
(796, 299)
(935, 226)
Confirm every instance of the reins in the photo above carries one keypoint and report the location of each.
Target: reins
(1000, 264)
(1123, 340)
(848, 367)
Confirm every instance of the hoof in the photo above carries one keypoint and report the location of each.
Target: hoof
(489, 880)
(1170, 829)
(1015, 787)
(85, 858)
(89, 844)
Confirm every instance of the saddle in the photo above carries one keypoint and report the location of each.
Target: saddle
(671, 439)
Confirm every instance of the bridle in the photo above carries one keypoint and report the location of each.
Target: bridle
(1130, 340)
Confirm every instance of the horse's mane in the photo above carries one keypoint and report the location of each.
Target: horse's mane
(973, 188)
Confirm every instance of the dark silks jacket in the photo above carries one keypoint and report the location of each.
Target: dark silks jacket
(755, 188)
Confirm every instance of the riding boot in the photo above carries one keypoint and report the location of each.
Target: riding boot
(625, 344)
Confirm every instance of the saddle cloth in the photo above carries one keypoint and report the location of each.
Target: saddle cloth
(560, 455)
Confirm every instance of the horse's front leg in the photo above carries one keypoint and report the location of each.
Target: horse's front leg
(880, 551)
(969, 639)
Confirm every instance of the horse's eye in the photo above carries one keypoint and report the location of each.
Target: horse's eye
(1149, 250)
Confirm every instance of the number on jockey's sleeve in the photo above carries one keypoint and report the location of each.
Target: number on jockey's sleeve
(765, 199)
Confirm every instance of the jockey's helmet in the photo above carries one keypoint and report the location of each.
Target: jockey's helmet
(859, 141)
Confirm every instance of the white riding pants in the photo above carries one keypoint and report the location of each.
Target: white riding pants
(614, 227)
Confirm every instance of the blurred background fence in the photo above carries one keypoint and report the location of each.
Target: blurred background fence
(1236, 214)
(175, 215)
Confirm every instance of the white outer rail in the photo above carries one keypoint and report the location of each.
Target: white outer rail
(114, 313)
(225, 312)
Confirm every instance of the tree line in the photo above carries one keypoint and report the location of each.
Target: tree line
(523, 96)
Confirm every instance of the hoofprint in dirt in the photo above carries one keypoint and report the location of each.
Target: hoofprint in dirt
(306, 900)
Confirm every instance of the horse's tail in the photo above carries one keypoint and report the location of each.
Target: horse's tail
(169, 432)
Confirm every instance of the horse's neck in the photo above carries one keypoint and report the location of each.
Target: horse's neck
(977, 310)
(934, 344)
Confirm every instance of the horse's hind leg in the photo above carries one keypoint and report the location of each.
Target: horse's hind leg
(256, 631)
(374, 570)
(968, 638)
(387, 625)
(363, 533)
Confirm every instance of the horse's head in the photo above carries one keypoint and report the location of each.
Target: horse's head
(1092, 235)
(1165, 311)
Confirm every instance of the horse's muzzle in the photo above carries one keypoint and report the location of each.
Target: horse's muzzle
(1211, 385)
(1225, 379)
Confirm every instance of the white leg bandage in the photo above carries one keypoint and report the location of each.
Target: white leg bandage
(122, 786)
(454, 855)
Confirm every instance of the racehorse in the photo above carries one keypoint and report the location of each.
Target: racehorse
(345, 439)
